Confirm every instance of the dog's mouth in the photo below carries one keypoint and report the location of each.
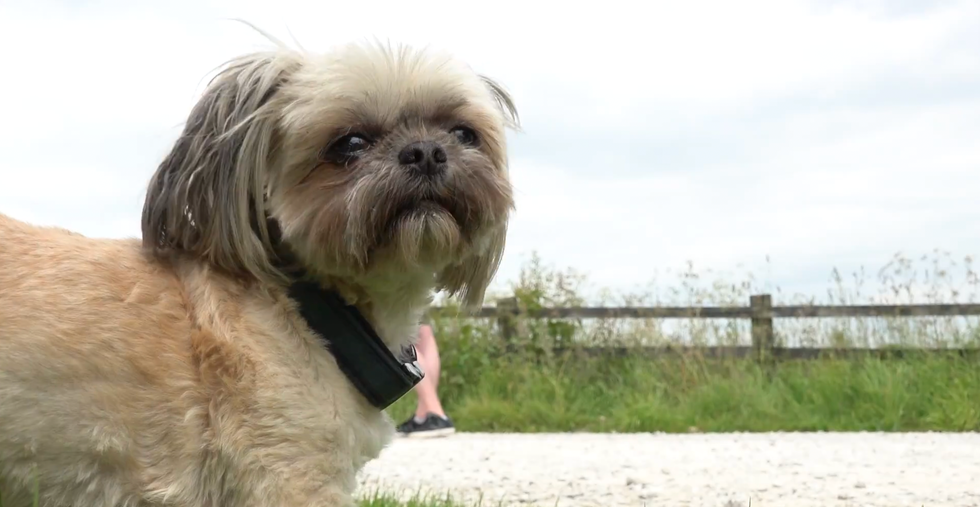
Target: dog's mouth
(427, 206)
(422, 222)
(423, 215)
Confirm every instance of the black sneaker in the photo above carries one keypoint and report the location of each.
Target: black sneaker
(430, 427)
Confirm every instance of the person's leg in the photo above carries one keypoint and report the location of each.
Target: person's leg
(427, 389)
(430, 419)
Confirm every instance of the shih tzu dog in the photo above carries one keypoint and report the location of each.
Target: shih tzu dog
(311, 203)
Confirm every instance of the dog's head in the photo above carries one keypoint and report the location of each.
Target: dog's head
(363, 159)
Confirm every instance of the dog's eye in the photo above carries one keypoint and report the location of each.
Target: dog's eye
(465, 135)
(348, 146)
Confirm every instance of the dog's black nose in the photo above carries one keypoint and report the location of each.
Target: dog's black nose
(425, 157)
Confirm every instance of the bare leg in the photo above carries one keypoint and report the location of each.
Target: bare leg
(427, 389)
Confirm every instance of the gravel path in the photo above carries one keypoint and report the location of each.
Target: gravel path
(717, 470)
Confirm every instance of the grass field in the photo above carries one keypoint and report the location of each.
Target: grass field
(380, 499)
(532, 389)
(640, 395)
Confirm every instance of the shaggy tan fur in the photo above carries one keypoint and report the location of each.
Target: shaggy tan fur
(174, 371)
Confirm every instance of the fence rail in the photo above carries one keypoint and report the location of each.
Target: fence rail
(760, 312)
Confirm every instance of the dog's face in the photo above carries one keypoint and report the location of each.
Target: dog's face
(366, 159)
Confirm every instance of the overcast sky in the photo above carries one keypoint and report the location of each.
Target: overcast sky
(819, 134)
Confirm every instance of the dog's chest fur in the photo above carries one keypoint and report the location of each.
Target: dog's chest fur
(277, 397)
(124, 385)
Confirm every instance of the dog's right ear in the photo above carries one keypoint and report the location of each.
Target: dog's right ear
(207, 198)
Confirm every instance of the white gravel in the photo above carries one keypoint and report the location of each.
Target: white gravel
(717, 470)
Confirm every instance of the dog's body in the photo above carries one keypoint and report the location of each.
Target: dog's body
(131, 383)
(176, 372)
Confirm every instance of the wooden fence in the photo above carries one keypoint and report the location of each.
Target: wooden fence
(761, 313)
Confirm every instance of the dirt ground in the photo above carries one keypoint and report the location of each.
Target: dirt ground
(717, 470)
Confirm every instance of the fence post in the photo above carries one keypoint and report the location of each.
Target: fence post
(507, 310)
(763, 341)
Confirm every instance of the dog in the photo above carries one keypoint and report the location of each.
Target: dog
(176, 370)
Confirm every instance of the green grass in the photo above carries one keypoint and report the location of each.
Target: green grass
(390, 501)
(641, 395)
(382, 499)
(533, 389)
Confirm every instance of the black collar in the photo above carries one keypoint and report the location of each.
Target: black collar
(364, 359)
(362, 356)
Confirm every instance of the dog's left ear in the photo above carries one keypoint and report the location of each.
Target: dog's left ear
(207, 198)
